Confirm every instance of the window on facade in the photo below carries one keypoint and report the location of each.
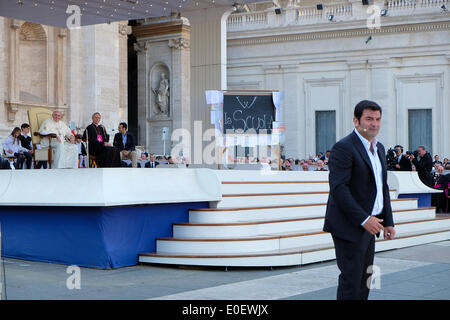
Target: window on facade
(420, 129)
(325, 130)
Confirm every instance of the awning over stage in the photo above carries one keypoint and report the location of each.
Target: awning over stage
(57, 12)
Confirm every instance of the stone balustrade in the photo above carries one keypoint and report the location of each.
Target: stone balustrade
(345, 11)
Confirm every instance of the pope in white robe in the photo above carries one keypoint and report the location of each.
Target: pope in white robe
(65, 149)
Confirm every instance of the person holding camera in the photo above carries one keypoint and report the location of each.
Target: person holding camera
(403, 163)
(424, 165)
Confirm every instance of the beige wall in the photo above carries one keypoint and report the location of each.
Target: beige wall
(78, 71)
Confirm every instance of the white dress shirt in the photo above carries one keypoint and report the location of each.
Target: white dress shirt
(377, 172)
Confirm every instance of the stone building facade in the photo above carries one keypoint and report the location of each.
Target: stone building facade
(327, 60)
(78, 71)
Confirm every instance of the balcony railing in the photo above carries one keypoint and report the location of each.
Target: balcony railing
(308, 15)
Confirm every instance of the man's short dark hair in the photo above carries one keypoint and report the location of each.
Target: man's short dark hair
(399, 146)
(124, 125)
(363, 105)
(24, 125)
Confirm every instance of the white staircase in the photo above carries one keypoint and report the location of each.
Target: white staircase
(266, 220)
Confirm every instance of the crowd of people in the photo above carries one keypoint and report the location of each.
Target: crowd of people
(317, 163)
(92, 148)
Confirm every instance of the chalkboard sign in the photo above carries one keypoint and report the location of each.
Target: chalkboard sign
(243, 112)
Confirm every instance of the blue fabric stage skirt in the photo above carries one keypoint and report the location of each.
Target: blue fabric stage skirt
(98, 237)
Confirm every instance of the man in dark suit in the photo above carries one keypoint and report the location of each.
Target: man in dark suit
(423, 166)
(125, 142)
(359, 204)
(152, 163)
(403, 163)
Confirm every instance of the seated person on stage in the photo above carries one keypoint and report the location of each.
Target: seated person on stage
(98, 145)
(25, 140)
(13, 149)
(125, 142)
(65, 150)
(82, 154)
(152, 163)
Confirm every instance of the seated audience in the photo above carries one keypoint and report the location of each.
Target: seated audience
(152, 163)
(439, 200)
(321, 166)
(446, 164)
(5, 164)
(305, 166)
(13, 148)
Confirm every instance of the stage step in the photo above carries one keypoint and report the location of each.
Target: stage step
(274, 241)
(252, 187)
(265, 227)
(276, 219)
(290, 257)
(242, 214)
(271, 199)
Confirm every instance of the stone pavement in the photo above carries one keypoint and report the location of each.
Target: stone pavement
(415, 273)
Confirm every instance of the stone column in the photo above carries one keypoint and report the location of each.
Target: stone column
(94, 75)
(14, 66)
(208, 65)
(163, 47)
(60, 69)
(379, 92)
(4, 65)
(358, 90)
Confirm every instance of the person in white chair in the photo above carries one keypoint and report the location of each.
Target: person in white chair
(66, 151)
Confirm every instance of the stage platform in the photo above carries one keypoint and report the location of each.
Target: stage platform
(111, 218)
(101, 218)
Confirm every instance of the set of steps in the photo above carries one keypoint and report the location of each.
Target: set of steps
(278, 221)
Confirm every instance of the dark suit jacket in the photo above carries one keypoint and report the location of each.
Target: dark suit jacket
(147, 165)
(26, 142)
(353, 189)
(405, 164)
(424, 167)
(118, 142)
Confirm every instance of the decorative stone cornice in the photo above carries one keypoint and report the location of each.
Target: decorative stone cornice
(162, 29)
(333, 34)
(179, 43)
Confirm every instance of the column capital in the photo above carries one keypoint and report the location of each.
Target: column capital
(179, 43)
(140, 47)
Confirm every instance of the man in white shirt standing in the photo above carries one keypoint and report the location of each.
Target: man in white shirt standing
(359, 205)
